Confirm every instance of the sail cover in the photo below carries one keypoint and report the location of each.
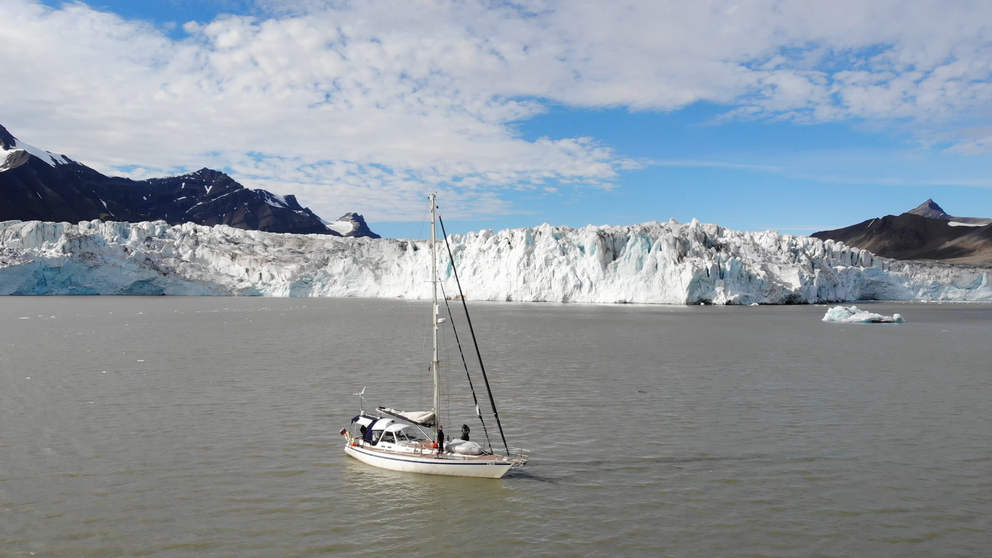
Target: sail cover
(423, 418)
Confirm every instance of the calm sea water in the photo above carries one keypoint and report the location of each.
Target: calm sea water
(208, 427)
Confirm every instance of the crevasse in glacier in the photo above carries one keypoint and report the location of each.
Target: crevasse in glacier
(669, 263)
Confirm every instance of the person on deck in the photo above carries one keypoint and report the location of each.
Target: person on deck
(440, 439)
(465, 431)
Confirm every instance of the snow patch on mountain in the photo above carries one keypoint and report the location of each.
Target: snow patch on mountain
(275, 200)
(668, 263)
(340, 227)
(14, 153)
(350, 224)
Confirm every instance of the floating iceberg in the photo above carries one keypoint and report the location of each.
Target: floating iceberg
(655, 263)
(852, 315)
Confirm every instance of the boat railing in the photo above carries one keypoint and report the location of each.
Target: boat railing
(518, 456)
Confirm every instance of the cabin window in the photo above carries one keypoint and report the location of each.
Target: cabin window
(388, 438)
(409, 434)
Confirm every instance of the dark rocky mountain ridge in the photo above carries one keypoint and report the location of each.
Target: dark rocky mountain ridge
(926, 232)
(7, 141)
(358, 224)
(32, 188)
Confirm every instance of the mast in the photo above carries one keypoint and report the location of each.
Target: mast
(434, 362)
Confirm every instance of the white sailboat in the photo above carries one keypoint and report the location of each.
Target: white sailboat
(414, 441)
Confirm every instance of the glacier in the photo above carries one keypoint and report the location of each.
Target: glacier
(661, 263)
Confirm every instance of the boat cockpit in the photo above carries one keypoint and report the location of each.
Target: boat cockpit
(388, 432)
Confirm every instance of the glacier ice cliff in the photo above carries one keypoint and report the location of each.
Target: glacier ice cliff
(668, 263)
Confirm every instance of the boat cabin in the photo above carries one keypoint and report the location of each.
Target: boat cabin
(400, 434)
(387, 431)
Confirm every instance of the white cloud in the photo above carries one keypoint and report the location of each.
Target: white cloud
(365, 105)
(973, 146)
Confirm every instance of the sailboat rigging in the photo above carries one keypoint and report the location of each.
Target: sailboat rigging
(415, 441)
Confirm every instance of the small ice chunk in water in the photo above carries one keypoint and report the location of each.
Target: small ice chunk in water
(852, 315)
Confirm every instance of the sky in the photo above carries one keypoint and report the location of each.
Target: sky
(793, 116)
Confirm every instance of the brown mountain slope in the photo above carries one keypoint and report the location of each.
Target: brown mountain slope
(912, 236)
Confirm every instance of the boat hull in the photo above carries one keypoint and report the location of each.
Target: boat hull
(448, 465)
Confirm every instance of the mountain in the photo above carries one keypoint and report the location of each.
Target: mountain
(926, 232)
(930, 210)
(352, 224)
(662, 263)
(43, 186)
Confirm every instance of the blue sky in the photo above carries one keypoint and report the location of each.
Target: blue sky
(768, 115)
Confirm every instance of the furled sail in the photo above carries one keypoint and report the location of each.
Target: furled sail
(423, 418)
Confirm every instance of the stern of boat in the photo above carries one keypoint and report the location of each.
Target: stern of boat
(518, 457)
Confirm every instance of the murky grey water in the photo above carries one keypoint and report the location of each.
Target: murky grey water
(208, 427)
